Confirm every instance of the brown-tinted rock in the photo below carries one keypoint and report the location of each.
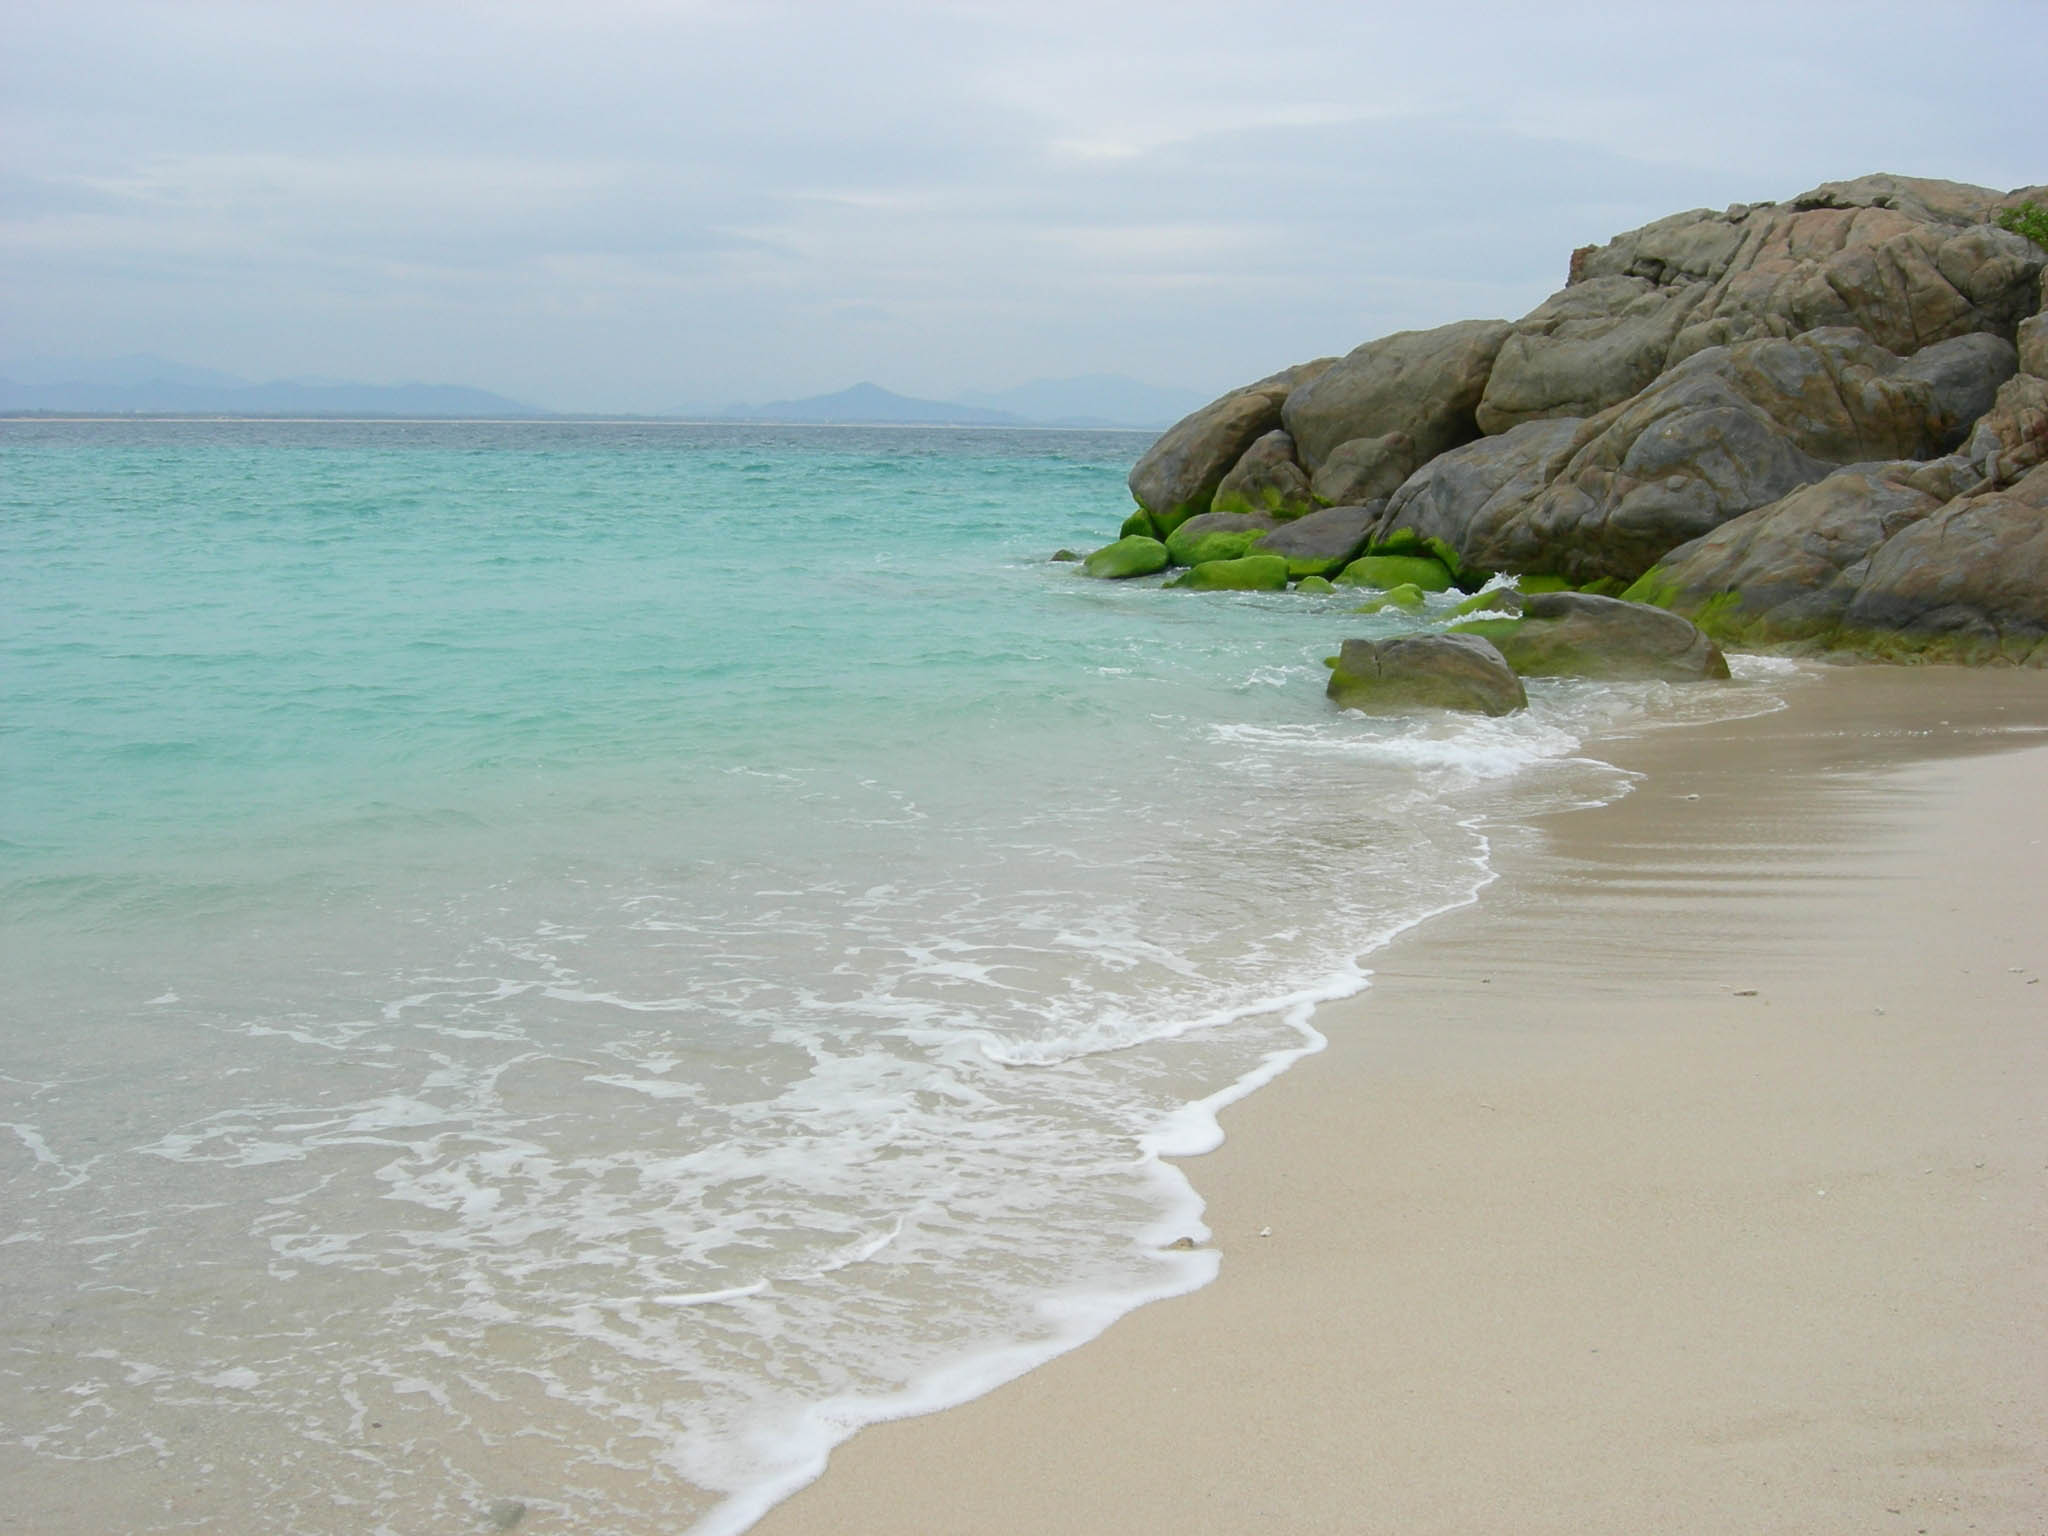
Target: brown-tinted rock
(2012, 437)
(1364, 469)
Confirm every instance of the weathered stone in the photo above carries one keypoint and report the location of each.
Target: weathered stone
(2012, 437)
(2033, 345)
(1426, 384)
(1216, 536)
(1389, 571)
(1574, 634)
(1472, 496)
(1140, 522)
(1133, 555)
(1908, 261)
(1788, 571)
(1064, 556)
(1583, 349)
(1322, 543)
(1364, 469)
(1416, 672)
(1963, 373)
(1178, 475)
(1252, 573)
(1969, 583)
(1729, 430)
(1266, 481)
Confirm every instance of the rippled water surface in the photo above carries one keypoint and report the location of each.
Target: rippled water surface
(564, 967)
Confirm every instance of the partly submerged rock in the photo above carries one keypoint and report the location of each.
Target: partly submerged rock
(1424, 384)
(1178, 475)
(1322, 543)
(1389, 571)
(1133, 555)
(1575, 634)
(1266, 480)
(1216, 536)
(1315, 586)
(1252, 573)
(1416, 672)
(1408, 598)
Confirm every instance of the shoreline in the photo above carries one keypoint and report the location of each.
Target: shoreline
(1544, 1251)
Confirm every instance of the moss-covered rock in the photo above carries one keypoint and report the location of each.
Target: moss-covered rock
(1064, 556)
(1134, 555)
(1389, 571)
(1252, 573)
(1407, 597)
(1573, 634)
(1417, 672)
(1322, 543)
(1316, 586)
(1216, 536)
(1142, 524)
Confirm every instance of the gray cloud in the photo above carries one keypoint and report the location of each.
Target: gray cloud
(641, 205)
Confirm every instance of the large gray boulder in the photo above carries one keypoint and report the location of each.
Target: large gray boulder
(1472, 497)
(1266, 481)
(1969, 583)
(1729, 430)
(1322, 543)
(1789, 571)
(1426, 384)
(1575, 634)
(1178, 475)
(1364, 469)
(1418, 672)
(1963, 374)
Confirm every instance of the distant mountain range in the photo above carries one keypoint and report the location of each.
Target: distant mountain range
(1090, 400)
(150, 385)
(145, 385)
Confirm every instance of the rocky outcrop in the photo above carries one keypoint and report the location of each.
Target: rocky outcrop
(1266, 481)
(1424, 385)
(1418, 672)
(1728, 430)
(1322, 543)
(1803, 423)
(1178, 476)
(1575, 634)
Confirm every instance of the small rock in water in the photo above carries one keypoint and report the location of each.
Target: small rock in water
(1064, 555)
(1182, 1244)
(1747, 992)
(505, 1513)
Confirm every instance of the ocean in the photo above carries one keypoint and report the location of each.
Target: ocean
(554, 970)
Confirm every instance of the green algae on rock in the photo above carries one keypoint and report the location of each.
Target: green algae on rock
(1251, 573)
(1417, 672)
(1133, 555)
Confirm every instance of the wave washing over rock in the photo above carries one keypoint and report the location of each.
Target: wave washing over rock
(1817, 425)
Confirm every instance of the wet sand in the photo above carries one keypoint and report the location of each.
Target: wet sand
(1695, 1180)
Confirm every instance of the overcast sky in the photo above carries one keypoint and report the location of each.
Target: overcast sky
(646, 204)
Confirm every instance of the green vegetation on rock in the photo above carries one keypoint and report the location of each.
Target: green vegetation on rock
(1314, 585)
(1134, 555)
(1252, 573)
(2029, 220)
(1407, 597)
(1200, 548)
(1140, 524)
(1389, 571)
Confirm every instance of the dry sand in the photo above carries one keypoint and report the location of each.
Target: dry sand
(1695, 1181)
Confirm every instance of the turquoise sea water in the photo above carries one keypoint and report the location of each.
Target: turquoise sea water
(577, 964)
